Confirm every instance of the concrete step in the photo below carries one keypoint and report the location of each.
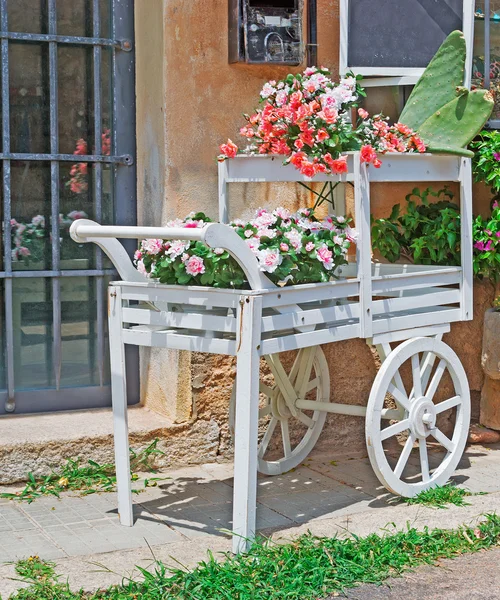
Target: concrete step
(43, 442)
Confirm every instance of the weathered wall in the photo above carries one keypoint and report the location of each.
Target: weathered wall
(189, 101)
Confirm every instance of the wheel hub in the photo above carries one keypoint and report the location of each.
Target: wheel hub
(422, 417)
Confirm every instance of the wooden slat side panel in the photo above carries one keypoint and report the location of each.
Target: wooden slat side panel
(175, 341)
(391, 305)
(186, 320)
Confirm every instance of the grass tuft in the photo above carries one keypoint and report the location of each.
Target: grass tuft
(441, 496)
(87, 478)
(306, 569)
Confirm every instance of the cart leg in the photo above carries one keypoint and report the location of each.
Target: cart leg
(119, 400)
(246, 423)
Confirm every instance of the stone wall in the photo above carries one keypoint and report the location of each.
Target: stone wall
(189, 100)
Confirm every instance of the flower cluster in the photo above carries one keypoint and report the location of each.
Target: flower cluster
(307, 119)
(290, 249)
(78, 174)
(28, 240)
(486, 235)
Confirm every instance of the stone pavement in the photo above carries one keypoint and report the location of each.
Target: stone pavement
(191, 512)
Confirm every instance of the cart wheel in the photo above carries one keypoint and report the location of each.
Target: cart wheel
(285, 438)
(411, 453)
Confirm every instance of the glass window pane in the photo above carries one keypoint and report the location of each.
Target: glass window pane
(32, 320)
(29, 101)
(27, 16)
(76, 18)
(80, 332)
(3, 379)
(31, 216)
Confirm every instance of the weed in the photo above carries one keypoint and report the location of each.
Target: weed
(441, 495)
(305, 569)
(86, 479)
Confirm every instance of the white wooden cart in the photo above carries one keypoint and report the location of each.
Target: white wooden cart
(278, 420)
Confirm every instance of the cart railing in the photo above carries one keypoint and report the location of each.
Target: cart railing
(214, 235)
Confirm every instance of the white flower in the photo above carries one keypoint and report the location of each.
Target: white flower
(270, 233)
(218, 251)
(281, 98)
(178, 248)
(269, 259)
(295, 238)
(152, 246)
(267, 90)
(338, 240)
(142, 269)
(253, 244)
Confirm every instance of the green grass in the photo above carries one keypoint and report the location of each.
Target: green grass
(86, 478)
(441, 496)
(306, 569)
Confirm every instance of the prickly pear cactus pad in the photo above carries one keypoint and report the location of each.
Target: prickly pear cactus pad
(439, 82)
(451, 128)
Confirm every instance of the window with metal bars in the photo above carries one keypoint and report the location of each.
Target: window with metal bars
(486, 59)
(68, 147)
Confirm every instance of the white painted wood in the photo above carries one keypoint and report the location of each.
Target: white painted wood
(466, 238)
(344, 36)
(363, 247)
(427, 300)
(246, 423)
(405, 334)
(208, 322)
(302, 340)
(176, 340)
(416, 318)
(310, 362)
(468, 30)
(419, 419)
(119, 400)
(223, 201)
(390, 81)
(408, 281)
(312, 316)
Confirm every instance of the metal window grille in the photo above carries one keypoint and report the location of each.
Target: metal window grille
(486, 70)
(121, 163)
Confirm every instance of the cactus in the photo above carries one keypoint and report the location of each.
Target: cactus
(451, 128)
(438, 85)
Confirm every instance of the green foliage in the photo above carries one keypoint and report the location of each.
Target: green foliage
(441, 496)
(426, 233)
(486, 163)
(496, 303)
(486, 235)
(86, 479)
(305, 569)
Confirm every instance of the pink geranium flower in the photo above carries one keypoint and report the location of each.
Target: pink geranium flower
(269, 259)
(195, 266)
(325, 256)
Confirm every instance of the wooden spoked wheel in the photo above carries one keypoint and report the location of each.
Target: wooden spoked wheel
(412, 453)
(286, 433)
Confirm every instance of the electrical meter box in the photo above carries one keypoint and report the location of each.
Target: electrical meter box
(266, 31)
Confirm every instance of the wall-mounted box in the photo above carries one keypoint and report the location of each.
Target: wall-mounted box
(266, 31)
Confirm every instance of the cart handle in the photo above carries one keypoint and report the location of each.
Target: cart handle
(214, 235)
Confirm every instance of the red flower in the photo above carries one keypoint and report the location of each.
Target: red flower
(340, 165)
(322, 135)
(230, 149)
(368, 154)
(307, 169)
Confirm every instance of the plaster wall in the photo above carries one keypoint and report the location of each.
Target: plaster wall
(189, 100)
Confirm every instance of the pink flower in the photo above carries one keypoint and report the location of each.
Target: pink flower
(309, 246)
(363, 113)
(152, 246)
(142, 269)
(340, 165)
(253, 244)
(229, 149)
(295, 238)
(177, 248)
(195, 266)
(368, 154)
(497, 234)
(282, 213)
(269, 259)
(137, 255)
(218, 251)
(284, 247)
(23, 251)
(322, 135)
(325, 256)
